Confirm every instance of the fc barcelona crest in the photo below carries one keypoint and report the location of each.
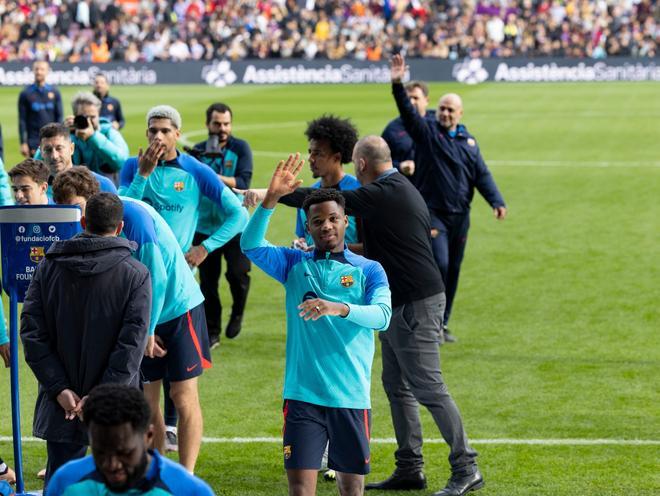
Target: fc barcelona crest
(111, 107)
(51, 95)
(346, 281)
(178, 186)
(229, 164)
(37, 253)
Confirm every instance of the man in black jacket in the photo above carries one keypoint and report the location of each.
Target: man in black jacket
(85, 321)
(396, 230)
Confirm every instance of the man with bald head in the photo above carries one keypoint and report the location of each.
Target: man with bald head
(449, 167)
(396, 227)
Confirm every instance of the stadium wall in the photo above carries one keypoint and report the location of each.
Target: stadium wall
(224, 73)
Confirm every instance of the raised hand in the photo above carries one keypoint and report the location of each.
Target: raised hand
(397, 68)
(284, 181)
(148, 160)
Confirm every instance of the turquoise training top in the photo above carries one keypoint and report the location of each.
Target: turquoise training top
(176, 188)
(174, 289)
(6, 198)
(328, 361)
(164, 477)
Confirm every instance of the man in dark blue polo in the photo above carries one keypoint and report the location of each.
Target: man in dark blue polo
(449, 167)
(110, 106)
(38, 104)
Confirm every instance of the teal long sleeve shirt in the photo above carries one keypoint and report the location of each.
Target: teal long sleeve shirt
(328, 361)
(175, 189)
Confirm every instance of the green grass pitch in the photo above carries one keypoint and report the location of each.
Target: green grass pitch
(557, 311)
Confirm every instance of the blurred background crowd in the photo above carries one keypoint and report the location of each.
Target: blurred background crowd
(176, 30)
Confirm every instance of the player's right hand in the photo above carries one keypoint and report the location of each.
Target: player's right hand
(25, 150)
(397, 68)
(148, 160)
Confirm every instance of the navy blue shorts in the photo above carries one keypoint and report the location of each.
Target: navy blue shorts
(187, 343)
(308, 428)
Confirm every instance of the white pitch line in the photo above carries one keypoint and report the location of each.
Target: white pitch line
(391, 440)
(573, 163)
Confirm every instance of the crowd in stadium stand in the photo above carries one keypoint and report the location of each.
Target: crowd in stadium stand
(175, 30)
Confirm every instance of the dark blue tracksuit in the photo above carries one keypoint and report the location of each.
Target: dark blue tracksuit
(447, 170)
(401, 144)
(111, 109)
(37, 106)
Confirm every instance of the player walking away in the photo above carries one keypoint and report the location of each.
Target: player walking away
(118, 420)
(334, 300)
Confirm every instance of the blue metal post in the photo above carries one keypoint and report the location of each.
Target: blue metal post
(15, 399)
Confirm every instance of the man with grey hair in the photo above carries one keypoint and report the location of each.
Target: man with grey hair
(174, 183)
(98, 145)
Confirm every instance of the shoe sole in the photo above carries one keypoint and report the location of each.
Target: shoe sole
(476, 487)
(215, 345)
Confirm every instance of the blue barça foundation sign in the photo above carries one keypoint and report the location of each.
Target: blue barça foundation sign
(26, 233)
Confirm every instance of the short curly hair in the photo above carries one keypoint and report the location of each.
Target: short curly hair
(110, 405)
(340, 133)
(323, 195)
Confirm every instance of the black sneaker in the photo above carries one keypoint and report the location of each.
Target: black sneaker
(449, 337)
(234, 326)
(214, 341)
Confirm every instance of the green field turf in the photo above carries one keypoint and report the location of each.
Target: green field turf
(557, 312)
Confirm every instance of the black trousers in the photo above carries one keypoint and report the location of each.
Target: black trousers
(61, 453)
(238, 267)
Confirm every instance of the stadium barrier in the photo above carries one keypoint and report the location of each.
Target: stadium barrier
(222, 73)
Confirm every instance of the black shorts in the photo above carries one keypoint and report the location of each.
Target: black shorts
(187, 343)
(308, 428)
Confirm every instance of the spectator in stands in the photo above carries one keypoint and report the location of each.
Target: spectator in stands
(29, 182)
(90, 298)
(231, 159)
(117, 418)
(110, 106)
(355, 30)
(98, 145)
(38, 104)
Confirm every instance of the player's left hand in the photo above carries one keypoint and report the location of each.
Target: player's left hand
(500, 212)
(4, 353)
(317, 308)
(196, 255)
